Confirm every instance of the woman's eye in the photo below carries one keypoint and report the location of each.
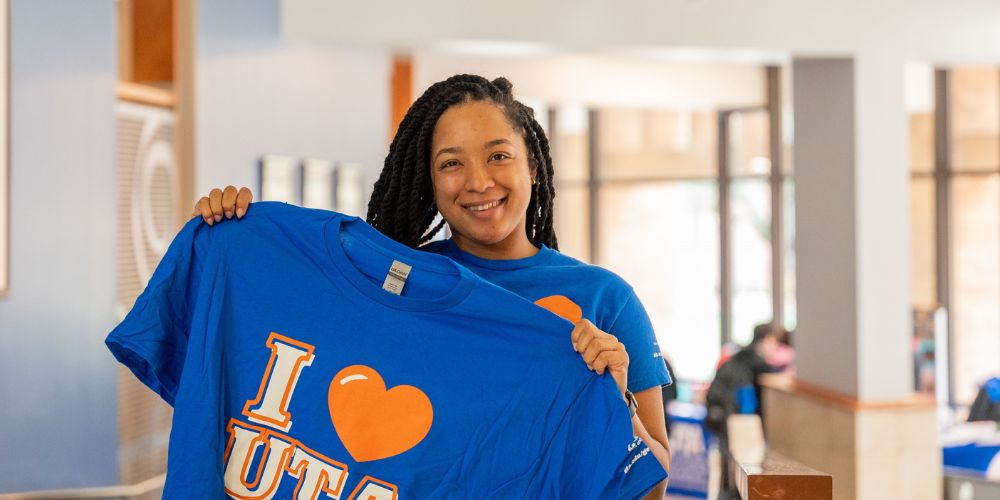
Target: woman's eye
(449, 163)
(498, 156)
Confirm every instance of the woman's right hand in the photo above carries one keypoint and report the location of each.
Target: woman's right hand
(223, 203)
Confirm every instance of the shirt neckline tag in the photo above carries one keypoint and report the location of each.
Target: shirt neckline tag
(396, 278)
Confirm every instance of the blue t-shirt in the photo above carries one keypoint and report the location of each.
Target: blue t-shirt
(574, 289)
(293, 373)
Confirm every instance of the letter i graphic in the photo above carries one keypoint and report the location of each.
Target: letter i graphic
(288, 358)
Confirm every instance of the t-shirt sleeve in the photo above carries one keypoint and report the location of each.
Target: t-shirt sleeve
(594, 452)
(641, 471)
(633, 328)
(152, 339)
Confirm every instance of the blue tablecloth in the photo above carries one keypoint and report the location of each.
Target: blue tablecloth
(690, 442)
(971, 458)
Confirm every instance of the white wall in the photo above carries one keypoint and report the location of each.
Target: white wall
(603, 79)
(57, 380)
(256, 94)
(936, 30)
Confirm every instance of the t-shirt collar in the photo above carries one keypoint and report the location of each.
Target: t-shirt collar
(543, 255)
(375, 241)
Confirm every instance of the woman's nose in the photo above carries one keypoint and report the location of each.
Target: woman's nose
(478, 178)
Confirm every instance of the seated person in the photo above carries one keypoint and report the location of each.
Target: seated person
(736, 390)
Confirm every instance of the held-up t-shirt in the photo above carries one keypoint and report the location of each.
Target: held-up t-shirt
(574, 290)
(293, 372)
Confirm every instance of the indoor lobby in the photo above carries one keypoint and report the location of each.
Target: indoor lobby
(832, 170)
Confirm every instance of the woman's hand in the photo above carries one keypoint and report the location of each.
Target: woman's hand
(601, 351)
(223, 203)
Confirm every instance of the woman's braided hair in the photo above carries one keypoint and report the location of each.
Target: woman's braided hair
(402, 202)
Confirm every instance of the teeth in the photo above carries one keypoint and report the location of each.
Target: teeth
(480, 208)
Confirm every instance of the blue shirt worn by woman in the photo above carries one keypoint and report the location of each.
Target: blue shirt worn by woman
(574, 289)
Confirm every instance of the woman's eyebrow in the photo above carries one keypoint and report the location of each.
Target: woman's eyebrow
(496, 142)
(488, 145)
(452, 150)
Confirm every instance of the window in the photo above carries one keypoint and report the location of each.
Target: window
(639, 192)
(663, 238)
(955, 208)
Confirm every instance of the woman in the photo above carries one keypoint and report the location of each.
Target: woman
(468, 150)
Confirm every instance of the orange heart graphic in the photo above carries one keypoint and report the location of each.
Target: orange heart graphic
(374, 423)
(562, 306)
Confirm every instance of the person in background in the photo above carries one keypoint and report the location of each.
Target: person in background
(986, 407)
(669, 393)
(736, 390)
(782, 356)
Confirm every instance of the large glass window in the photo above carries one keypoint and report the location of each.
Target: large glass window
(651, 214)
(750, 205)
(974, 164)
(965, 222)
(976, 282)
(750, 222)
(663, 238)
(658, 223)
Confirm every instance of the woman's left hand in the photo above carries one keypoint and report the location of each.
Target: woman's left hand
(601, 351)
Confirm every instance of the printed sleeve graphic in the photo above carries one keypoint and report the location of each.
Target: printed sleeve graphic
(562, 306)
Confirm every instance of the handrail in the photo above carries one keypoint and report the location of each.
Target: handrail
(118, 491)
(759, 473)
(776, 476)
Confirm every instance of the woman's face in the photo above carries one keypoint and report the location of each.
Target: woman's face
(481, 176)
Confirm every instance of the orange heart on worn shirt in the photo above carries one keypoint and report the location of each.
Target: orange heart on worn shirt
(562, 306)
(375, 423)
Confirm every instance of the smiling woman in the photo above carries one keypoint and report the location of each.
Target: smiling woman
(476, 122)
(482, 180)
(467, 150)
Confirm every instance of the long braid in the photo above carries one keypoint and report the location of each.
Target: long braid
(544, 231)
(402, 202)
(420, 204)
(385, 191)
(534, 210)
(404, 208)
